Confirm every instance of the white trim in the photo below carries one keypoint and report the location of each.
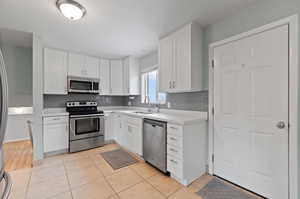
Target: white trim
(293, 96)
(17, 140)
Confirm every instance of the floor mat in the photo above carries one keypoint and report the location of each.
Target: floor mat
(118, 158)
(216, 189)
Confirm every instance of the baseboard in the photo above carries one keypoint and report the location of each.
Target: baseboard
(53, 153)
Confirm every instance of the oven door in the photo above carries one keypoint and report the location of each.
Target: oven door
(86, 126)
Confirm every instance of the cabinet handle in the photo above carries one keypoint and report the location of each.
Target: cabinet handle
(172, 127)
(174, 84)
(174, 150)
(174, 161)
(170, 84)
(67, 129)
(173, 138)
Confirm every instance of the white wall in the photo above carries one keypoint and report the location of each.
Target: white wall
(148, 60)
(18, 62)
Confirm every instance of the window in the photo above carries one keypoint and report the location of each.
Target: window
(150, 94)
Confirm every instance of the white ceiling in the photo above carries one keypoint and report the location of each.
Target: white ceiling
(112, 28)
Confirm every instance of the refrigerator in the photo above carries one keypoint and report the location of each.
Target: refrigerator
(5, 180)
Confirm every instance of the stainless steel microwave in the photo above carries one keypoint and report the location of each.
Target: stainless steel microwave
(83, 85)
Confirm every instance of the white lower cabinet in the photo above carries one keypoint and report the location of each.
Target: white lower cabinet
(108, 132)
(134, 132)
(128, 132)
(187, 151)
(56, 133)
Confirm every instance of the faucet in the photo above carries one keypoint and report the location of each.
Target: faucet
(157, 108)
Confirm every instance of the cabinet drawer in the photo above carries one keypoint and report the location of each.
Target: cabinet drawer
(175, 130)
(174, 166)
(56, 120)
(134, 121)
(174, 140)
(174, 151)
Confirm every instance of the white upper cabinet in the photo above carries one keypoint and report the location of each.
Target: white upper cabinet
(55, 71)
(180, 60)
(92, 67)
(116, 80)
(131, 76)
(83, 66)
(166, 64)
(104, 77)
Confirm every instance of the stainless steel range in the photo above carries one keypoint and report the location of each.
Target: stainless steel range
(86, 126)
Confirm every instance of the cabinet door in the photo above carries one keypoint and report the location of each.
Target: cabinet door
(166, 64)
(76, 65)
(104, 77)
(55, 66)
(116, 68)
(182, 60)
(109, 133)
(92, 67)
(56, 137)
(126, 78)
(117, 127)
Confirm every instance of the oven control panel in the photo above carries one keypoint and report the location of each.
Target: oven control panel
(81, 103)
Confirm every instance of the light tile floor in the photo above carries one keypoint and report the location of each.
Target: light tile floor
(86, 175)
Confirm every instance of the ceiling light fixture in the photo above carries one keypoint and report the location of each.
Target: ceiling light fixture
(71, 9)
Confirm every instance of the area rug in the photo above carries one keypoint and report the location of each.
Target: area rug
(216, 189)
(118, 158)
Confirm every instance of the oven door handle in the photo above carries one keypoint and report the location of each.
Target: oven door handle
(87, 116)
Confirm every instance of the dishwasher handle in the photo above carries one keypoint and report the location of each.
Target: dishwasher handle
(155, 123)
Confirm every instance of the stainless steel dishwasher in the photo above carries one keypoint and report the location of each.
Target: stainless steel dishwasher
(155, 144)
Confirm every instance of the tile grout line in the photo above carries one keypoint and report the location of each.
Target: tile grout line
(67, 176)
(28, 184)
(145, 179)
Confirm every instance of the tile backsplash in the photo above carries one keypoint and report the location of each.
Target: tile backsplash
(58, 101)
(193, 101)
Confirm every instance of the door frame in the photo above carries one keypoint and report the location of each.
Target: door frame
(293, 23)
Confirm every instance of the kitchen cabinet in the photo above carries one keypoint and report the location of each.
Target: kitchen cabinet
(131, 76)
(83, 66)
(104, 77)
(116, 77)
(108, 133)
(56, 134)
(183, 142)
(180, 60)
(128, 132)
(134, 135)
(118, 128)
(55, 66)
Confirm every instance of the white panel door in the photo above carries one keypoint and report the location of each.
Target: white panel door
(55, 65)
(166, 64)
(92, 67)
(104, 77)
(251, 99)
(116, 81)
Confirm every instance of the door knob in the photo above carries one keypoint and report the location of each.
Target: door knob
(280, 125)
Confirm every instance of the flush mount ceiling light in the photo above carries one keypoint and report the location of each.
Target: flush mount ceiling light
(71, 9)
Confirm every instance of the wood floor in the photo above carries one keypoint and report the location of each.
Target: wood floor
(17, 155)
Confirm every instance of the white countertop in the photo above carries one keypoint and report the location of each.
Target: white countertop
(20, 110)
(167, 115)
(52, 112)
